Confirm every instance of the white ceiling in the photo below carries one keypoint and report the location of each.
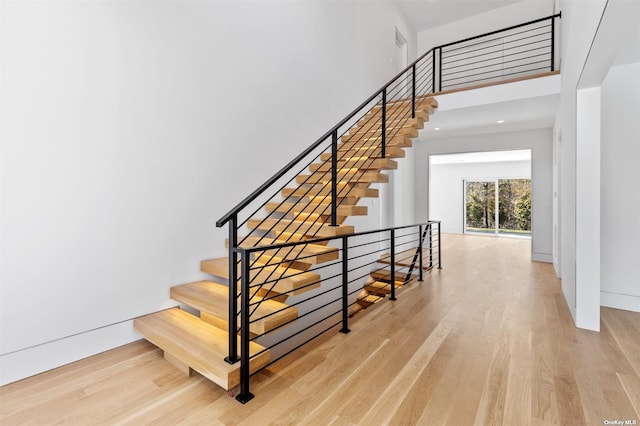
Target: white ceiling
(426, 14)
(522, 114)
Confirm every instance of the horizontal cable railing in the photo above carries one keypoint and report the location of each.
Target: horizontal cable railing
(377, 261)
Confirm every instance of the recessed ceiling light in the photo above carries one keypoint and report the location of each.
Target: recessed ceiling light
(500, 121)
(436, 128)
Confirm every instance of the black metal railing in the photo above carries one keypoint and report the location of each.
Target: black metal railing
(508, 53)
(300, 204)
(329, 302)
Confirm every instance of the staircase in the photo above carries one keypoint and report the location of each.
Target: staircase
(200, 342)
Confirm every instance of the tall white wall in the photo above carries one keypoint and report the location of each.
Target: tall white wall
(540, 143)
(129, 128)
(619, 192)
(446, 187)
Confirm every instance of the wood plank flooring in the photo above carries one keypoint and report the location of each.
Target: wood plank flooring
(486, 340)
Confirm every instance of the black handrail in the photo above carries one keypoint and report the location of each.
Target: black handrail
(513, 27)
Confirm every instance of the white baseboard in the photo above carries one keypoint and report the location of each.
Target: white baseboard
(541, 257)
(28, 362)
(620, 301)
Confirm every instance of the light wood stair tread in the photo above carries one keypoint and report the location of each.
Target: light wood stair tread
(405, 258)
(320, 190)
(275, 278)
(351, 176)
(319, 209)
(319, 230)
(378, 288)
(358, 163)
(385, 275)
(197, 344)
(213, 299)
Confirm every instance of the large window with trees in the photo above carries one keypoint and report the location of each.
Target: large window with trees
(498, 206)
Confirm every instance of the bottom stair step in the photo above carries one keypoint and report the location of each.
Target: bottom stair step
(197, 344)
(385, 275)
(369, 300)
(378, 288)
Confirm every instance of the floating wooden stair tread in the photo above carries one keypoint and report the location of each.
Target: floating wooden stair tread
(369, 300)
(213, 299)
(360, 163)
(401, 141)
(319, 230)
(375, 150)
(275, 278)
(385, 275)
(197, 344)
(397, 115)
(328, 253)
(351, 176)
(323, 209)
(405, 258)
(378, 288)
(325, 190)
(366, 124)
(393, 131)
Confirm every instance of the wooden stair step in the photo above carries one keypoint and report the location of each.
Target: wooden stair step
(401, 141)
(374, 150)
(398, 115)
(405, 258)
(360, 135)
(368, 300)
(359, 163)
(318, 200)
(318, 230)
(322, 190)
(275, 278)
(355, 176)
(378, 288)
(310, 254)
(200, 346)
(422, 102)
(385, 275)
(320, 209)
(392, 122)
(213, 299)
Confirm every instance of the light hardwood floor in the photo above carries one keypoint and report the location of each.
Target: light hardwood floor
(487, 340)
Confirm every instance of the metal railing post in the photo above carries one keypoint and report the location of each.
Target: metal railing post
(232, 357)
(345, 288)
(553, 43)
(413, 92)
(440, 70)
(334, 178)
(245, 395)
(439, 247)
(393, 265)
(433, 71)
(420, 252)
(430, 235)
(384, 121)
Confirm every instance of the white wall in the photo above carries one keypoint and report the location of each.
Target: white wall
(539, 141)
(130, 127)
(579, 23)
(492, 20)
(446, 187)
(619, 191)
